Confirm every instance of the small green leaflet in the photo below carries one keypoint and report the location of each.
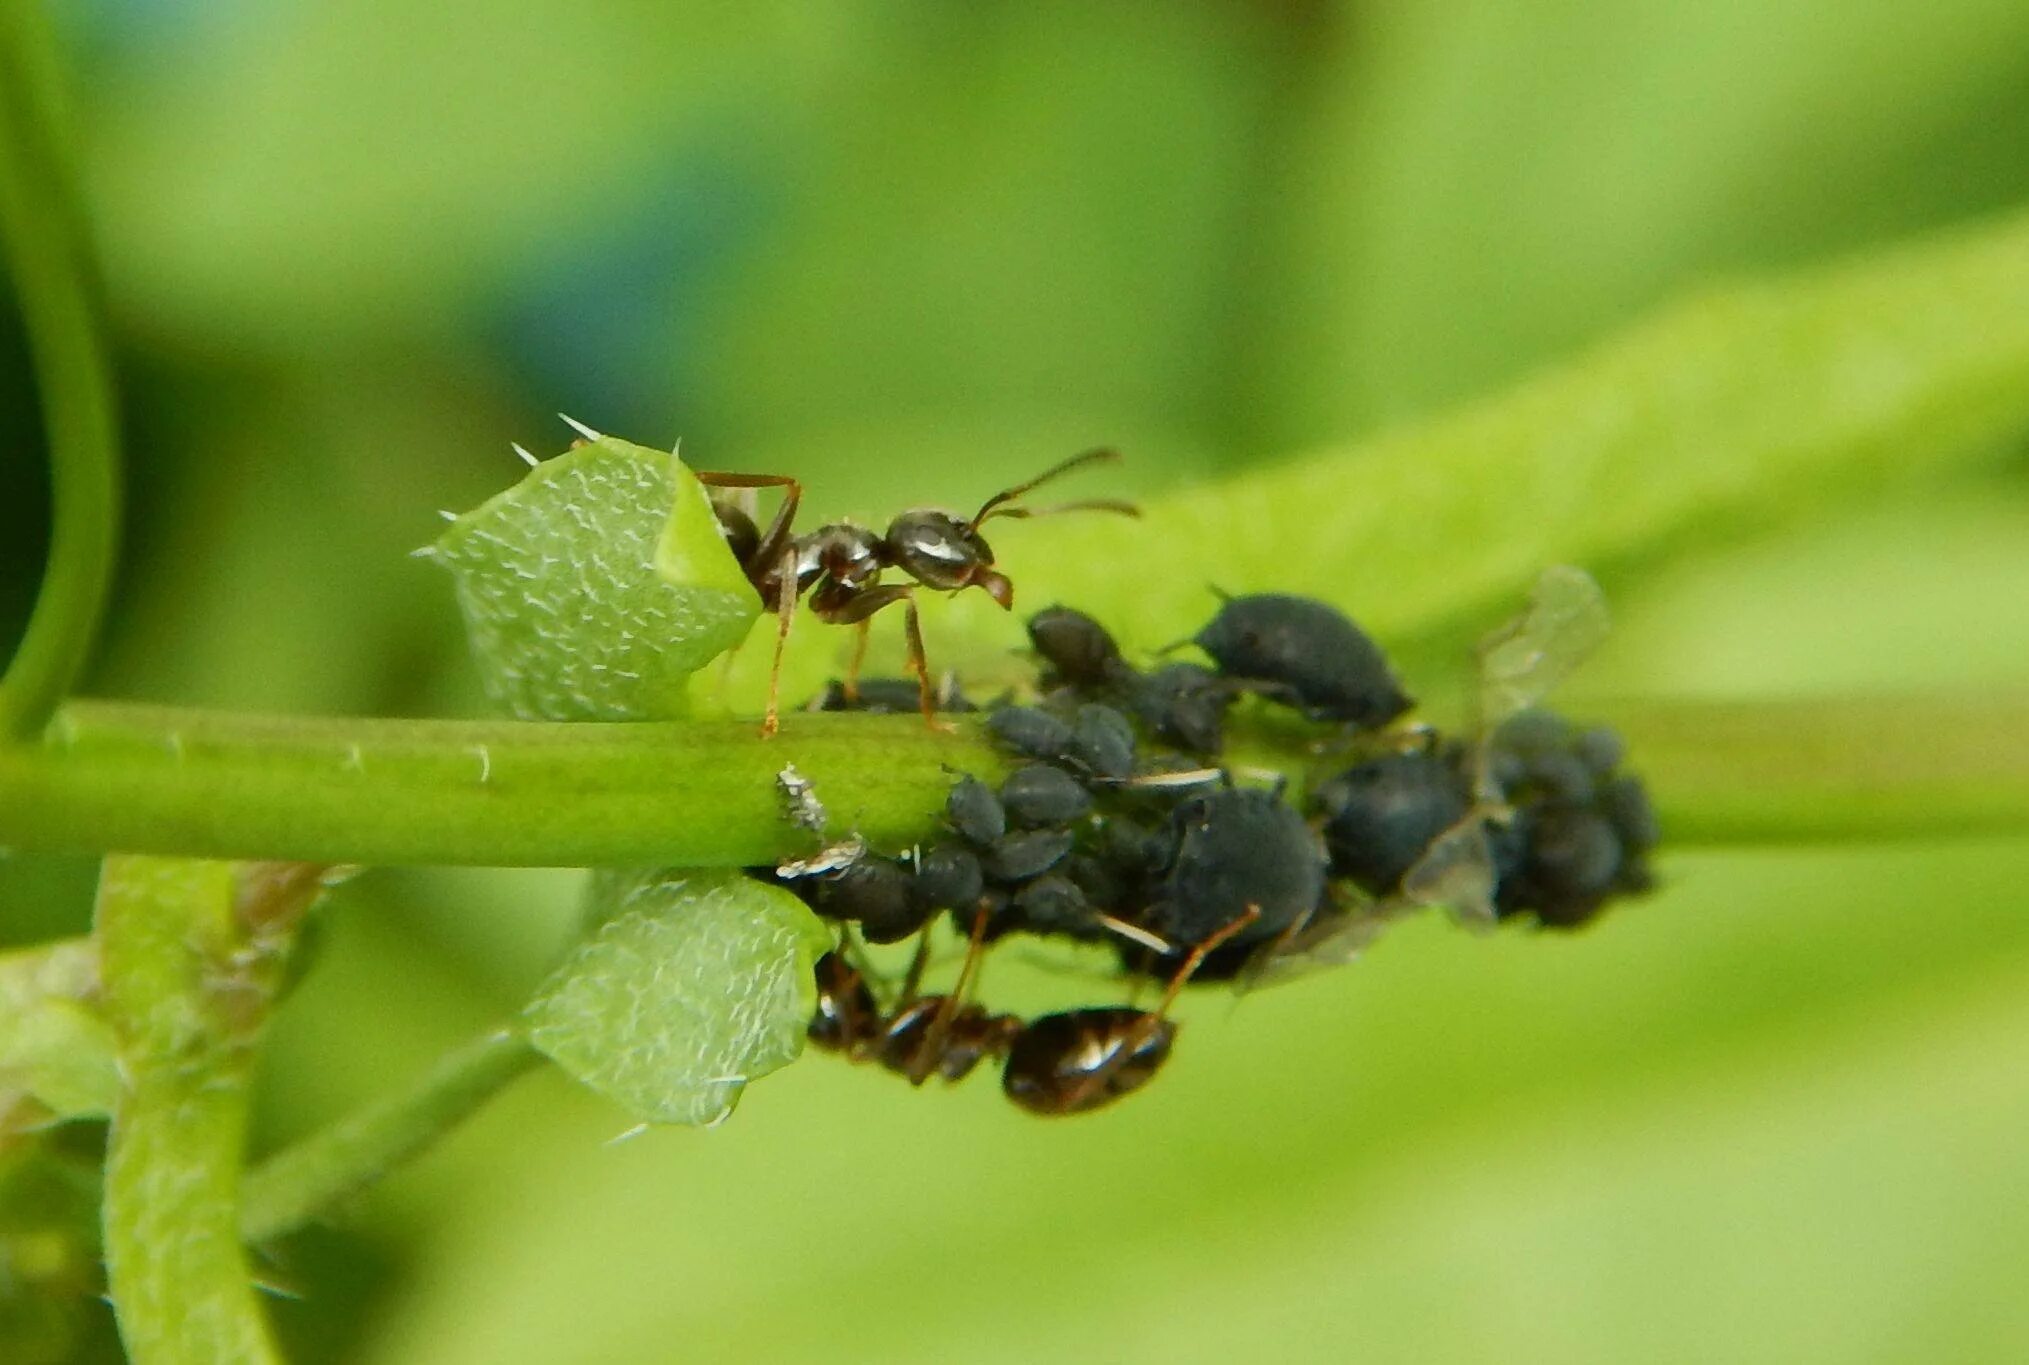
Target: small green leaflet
(54, 1049)
(690, 984)
(597, 585)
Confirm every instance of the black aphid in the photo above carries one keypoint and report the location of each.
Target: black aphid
(974, 811)
(1031, 733)
(1102, 741)
(1306, 654)
(889, 697)
(948, 878)
(1054, 904)
(1238, 850)
(1029, 853)
(1380, 816)
(1079, 652)
(1038, 794)
(1579, 833)
(1184, 704)
(874, 892)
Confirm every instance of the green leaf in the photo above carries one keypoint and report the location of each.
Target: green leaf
(594, 587)
(693, 984)
(54, 1048)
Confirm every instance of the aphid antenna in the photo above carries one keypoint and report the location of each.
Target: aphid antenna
(1134, 933)
(1189, 777)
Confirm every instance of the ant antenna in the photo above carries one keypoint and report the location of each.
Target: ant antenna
(997, 505)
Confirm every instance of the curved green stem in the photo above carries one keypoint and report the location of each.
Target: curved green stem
(296, 1184)
(47, 252)
(703, 793)
(188, 974)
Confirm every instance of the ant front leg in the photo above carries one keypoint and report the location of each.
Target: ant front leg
(770, 564)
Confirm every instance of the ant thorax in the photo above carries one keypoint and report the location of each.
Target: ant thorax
(850, 556)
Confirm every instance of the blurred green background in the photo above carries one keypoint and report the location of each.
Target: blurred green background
(908, 251)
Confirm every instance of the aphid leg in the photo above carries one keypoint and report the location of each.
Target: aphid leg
(1152, 1020)
(924, 1060)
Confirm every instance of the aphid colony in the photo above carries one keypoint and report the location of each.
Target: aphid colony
(1118, 827)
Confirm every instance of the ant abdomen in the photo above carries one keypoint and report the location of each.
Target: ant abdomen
(1080, 1060)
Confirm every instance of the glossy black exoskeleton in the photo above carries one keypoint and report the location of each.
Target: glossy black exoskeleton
(1304, 653)
(1380, 816)
(839, 566)
(1079, 1060)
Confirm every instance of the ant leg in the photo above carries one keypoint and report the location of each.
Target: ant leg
(919, 664)
(859, 657)
(864, 603)
(785, 613)
(769, 550)
(924, 1060)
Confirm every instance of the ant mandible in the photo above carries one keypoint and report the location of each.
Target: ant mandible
(839, 565)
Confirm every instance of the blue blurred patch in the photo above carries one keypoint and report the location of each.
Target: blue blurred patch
(608, 322)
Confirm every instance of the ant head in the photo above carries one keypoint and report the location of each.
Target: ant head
(940, 551)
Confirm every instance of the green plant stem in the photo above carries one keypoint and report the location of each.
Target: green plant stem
(296, 1184)
(500, 793)
(185, 991)
(702, 793)
(1832, 769)
(47, 253)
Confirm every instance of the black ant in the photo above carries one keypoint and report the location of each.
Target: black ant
(839, 565)
(1069, 1062)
